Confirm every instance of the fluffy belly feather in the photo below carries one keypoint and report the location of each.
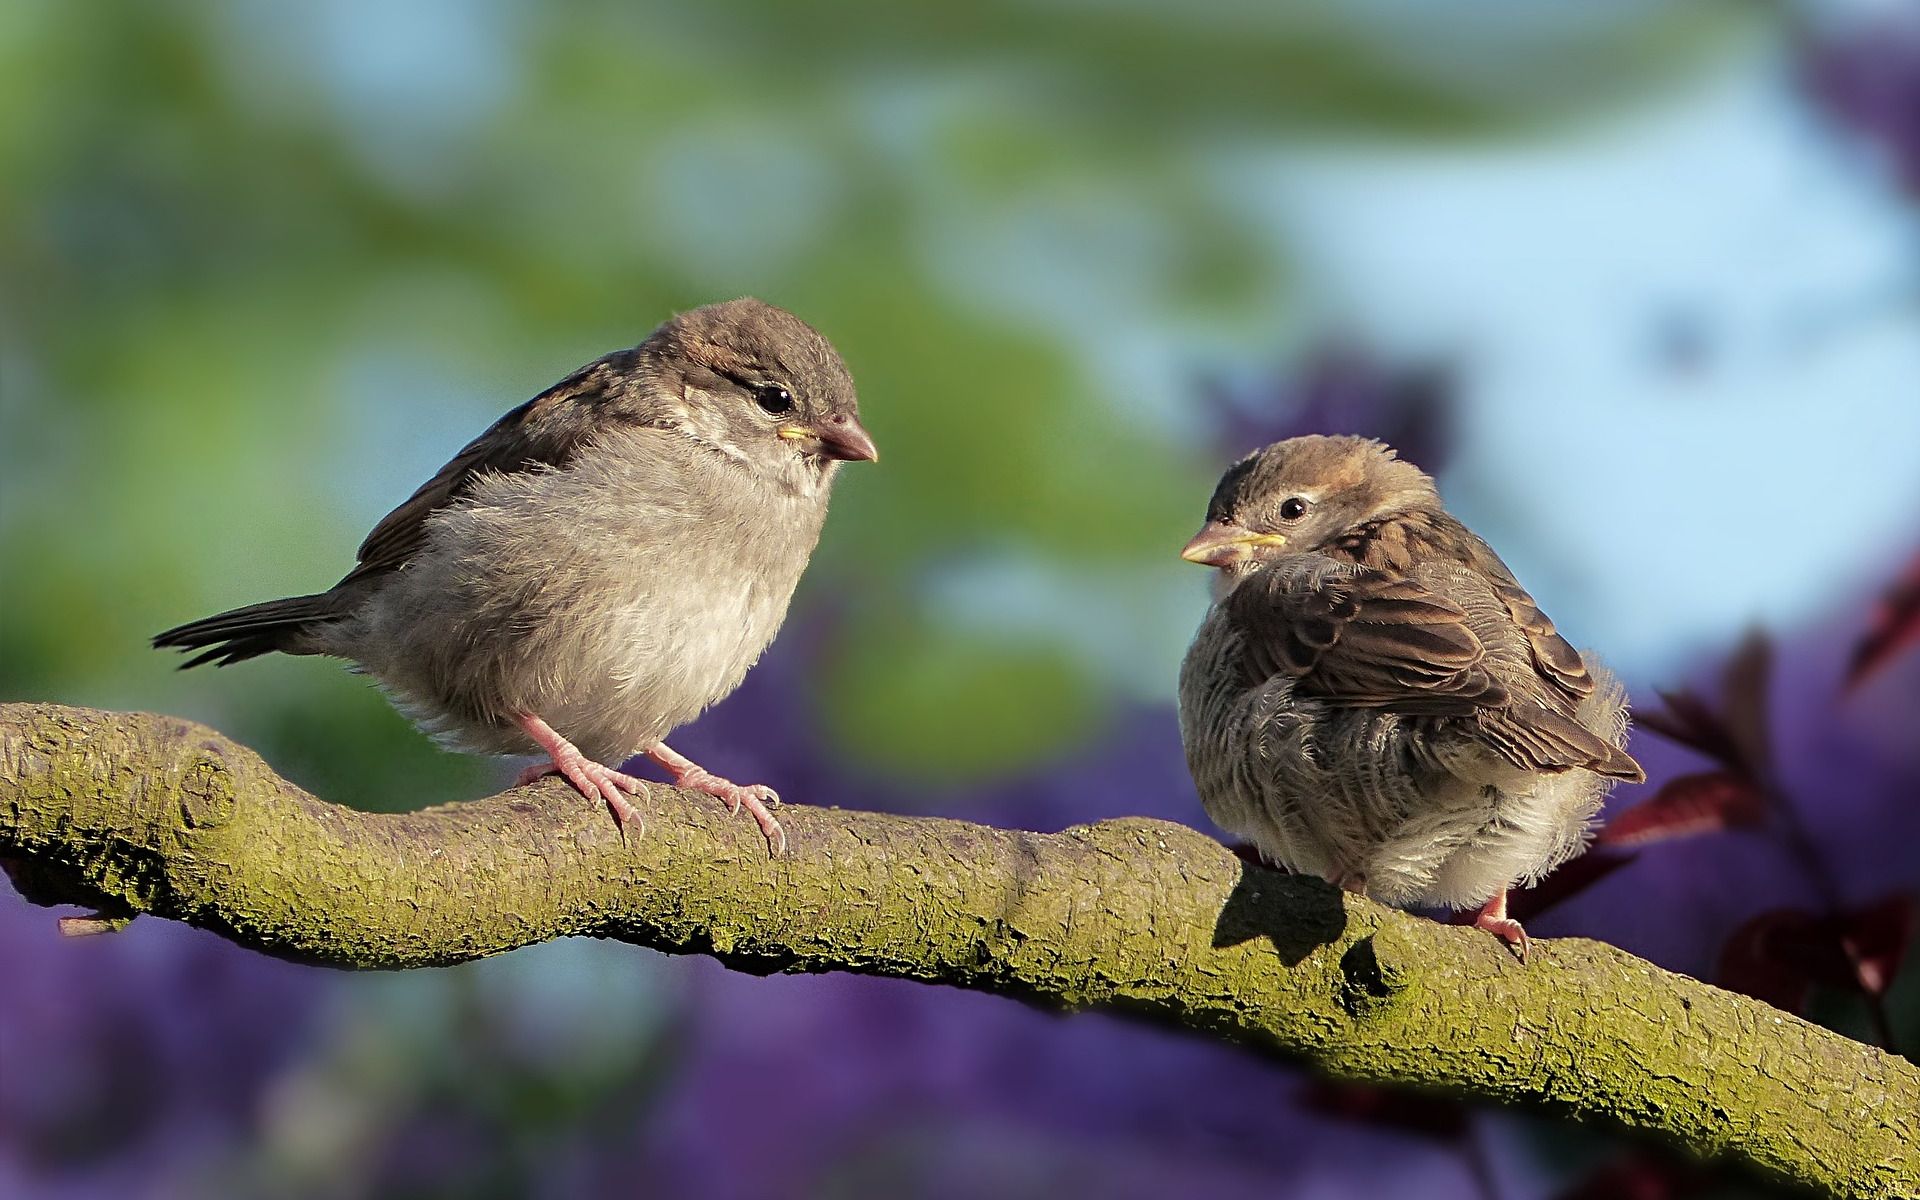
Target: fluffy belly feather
(514, 618)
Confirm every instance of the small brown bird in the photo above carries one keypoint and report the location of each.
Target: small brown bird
(1374, 699)
(602, 564)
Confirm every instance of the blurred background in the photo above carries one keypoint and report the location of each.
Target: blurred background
(1637, 280)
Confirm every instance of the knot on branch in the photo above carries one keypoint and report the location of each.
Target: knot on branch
(1372, 975)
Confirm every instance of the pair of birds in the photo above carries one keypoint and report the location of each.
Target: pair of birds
(1373, 698)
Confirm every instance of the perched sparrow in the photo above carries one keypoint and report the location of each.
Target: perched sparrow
(603, 563)
(1374, 698)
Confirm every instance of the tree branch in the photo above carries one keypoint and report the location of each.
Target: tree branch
(138, 814)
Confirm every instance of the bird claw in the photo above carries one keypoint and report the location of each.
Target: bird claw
(1494, 919)
(596, 782)
(1509, 931)
(624, 813)
(591, 779)
(756, 798)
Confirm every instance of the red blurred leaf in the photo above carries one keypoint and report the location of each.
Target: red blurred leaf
(1688, 805)
(1689, 721)
(1409, 1112)
(1875, 940)
(1641, 1176)
(1737, 735)
(1745, 687)
(1572, 878)
(1778, 955)
(1895, 626)
(1757, 962)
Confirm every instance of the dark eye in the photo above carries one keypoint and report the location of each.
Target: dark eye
(1293, 508)
(776, 400)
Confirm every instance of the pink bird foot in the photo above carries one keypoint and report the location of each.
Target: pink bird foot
(589, 778)
(755, 798)
(1350, 881)
(1493, 918)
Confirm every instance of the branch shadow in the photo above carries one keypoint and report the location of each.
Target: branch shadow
(1298, 914)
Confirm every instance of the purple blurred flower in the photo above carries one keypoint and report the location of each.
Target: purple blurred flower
(1340, 388)
(928, 1093)
(1868, 77)
(133, 1063)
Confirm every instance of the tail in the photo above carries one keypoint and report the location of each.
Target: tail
(249, 632)
(1618, 764)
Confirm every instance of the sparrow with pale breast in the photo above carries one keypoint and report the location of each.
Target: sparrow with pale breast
(1373, 698)
(602, 564)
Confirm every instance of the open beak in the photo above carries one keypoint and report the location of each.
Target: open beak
(1219, 544)
(838, 436)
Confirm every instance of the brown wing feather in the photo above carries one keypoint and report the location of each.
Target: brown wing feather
(1552, 654)
(1539, 728)
(1362, 637)
(1538, 738)
(546, 431)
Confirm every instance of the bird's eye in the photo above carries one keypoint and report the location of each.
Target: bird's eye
(775, 400)
(1293, 508)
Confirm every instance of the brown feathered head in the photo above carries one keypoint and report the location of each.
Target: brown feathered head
(1299, 495)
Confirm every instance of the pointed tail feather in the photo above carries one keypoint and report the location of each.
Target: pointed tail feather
(1618, 764)
(1538, 738)
(249, 632)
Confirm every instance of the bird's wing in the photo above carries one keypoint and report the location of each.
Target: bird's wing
(1549, 735)
(1365, 638)
(1540, 737)
(1361, 637)
(546, 431)
(1553, 656)
(1538, 727)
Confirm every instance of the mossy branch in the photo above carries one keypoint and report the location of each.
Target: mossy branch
(131, 814)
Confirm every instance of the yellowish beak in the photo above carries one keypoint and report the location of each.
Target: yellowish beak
(1219, 544)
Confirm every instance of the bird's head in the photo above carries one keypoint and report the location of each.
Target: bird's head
(761, 386)
(1297, 496)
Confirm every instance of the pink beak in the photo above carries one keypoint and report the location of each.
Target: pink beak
(843, 438)
(1220, 544)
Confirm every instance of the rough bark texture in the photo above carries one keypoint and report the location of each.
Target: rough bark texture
(134, 813)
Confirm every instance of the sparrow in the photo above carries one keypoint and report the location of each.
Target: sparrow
(1373, 698)
(602, 564)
